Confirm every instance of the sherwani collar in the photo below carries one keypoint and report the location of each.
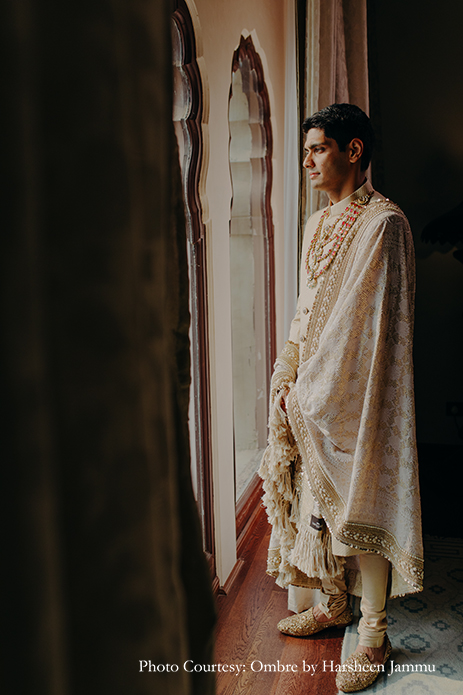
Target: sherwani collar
(338, 208)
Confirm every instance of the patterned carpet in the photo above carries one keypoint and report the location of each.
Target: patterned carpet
(426, 629)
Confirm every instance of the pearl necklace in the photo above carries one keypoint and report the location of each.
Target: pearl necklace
(323, 237)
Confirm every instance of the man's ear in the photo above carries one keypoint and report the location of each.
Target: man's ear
(355, 149)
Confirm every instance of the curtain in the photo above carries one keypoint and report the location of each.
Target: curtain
(102, 563)
(343, 53)
(336, 65)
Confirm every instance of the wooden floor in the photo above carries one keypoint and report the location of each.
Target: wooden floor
(247, 635)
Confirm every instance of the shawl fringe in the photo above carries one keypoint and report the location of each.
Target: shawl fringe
(313, 555)
(278, 462)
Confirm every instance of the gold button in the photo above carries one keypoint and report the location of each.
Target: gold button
(303, 339)
(305, 310)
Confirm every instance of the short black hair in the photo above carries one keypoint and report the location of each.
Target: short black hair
(343, 123)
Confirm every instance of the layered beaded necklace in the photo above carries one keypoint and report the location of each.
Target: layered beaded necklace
(316, 255)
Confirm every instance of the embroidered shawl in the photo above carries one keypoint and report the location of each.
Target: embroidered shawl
(350, 406)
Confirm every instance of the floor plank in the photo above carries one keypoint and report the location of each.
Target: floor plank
(270, 663)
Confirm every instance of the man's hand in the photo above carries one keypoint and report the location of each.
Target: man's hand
(283, 396)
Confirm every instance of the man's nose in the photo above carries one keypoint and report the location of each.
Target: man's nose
(308, 161)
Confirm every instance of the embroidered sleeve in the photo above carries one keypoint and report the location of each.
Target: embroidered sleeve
(285, 371)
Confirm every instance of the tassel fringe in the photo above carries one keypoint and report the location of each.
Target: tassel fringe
(301, 546)
(279, 495)
(312, 554)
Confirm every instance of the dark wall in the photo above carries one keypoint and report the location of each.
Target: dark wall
(416, 52)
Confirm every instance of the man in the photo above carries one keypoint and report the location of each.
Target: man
(340, 472)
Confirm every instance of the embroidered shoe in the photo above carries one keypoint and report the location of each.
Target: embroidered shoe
(304, 624)
(357, 672)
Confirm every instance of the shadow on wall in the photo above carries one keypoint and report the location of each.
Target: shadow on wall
(447, 230)
(437, 222)
(418, 111)
(444, 236)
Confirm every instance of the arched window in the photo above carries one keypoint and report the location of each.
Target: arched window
(187, 116)
(252, 261)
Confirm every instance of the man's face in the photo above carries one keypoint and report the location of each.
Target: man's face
(328, 168)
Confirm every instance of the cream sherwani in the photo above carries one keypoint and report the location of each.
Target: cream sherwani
(346, 451)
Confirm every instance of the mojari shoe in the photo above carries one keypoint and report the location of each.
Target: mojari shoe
(357, 672)
(304, 624)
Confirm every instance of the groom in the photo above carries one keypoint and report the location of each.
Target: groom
(340, 471)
